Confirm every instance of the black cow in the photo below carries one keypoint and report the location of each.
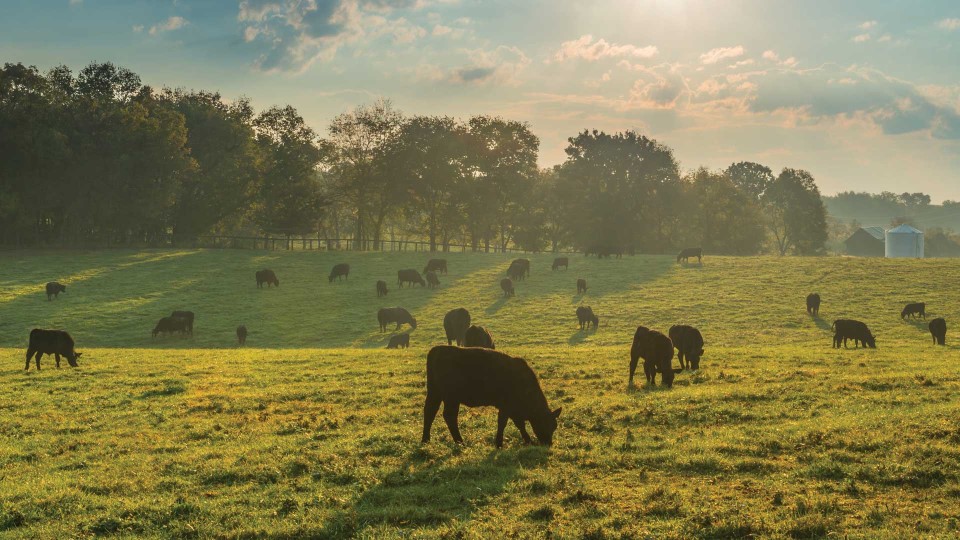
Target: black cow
(338, 271)
(187, 317)
(686, 253)
(478, 336)
(381, 288)
(522, 263)
(689, 344)
(813, 304)
(399, 341)
(938, 329)
(918, 308)
(586, 316)
(242, 334)
(560, 261)
(603, 252)
(656, 350)
(432, 280)
(410, 276)
(478, 377)
(507, 285)
(169, 325)
(436, 265)
(268, 277)
(53, 289)
(455, 324)
(581, 286)
(55, 342)
(516, 271)
(845, 329)
(395, 315)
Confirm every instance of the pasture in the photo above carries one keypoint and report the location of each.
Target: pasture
(313, 429)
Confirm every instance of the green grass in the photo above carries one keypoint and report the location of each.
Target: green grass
(313, 429)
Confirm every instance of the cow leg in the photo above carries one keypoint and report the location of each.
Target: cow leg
(29, 354)
(37, 358)
(633, 369)
(650, 371)
(57, 356)
(451, 410)
(502, 418)
(430, 408)
(680, 358)
(521, 425)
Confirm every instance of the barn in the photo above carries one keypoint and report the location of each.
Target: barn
(904, 242)
(866, 242)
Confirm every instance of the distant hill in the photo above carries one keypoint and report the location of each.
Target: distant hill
(881, 209)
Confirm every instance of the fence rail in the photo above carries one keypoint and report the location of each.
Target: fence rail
(283, 243)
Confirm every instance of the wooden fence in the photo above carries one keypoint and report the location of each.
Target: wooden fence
(341, 244)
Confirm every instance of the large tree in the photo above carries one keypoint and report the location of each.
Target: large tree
(795, 213)
(725, 219)
(751, 178)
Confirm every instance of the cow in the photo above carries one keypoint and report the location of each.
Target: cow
(581, 286)
(187, 317)
(399, 341)
(410, 276)
(242, 334)
(455, 324)
(938, 329)
(432, 280)
(396, 315)
(656, 350)
(507, 285)
(686, 253)
(845, 329)
(339, 271)
(813, 304)
(478, 377)
(436, 265)
(381, 288)
(169, 325)
(689, 344)
(478, 336)
(54, 289)
(560, 261)
(268, 277)
(524, 264)
(516, 271)
(55, 342)
(918, 308)
(603, 252)
(586, 316)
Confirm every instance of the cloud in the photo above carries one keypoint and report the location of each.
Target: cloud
(76, 2)
(720, 53)
(949, 24)
(867, 25)
(173, 23)
(861, 38)
(502, 65)
(772, 56)
(586, 49)
(137, 28)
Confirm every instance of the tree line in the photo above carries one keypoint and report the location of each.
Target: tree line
(97, 158)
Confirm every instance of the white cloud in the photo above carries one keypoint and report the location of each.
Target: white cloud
(860, 38)
(772, 56)
(441, 30)
(250, 33)
(884, 38)
(137, 28)
(587, 49)
(173, 23)
(949, 24)
(741, 63)
(502, 65)
(720, 53)
(867, 25)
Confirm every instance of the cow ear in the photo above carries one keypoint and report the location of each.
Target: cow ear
(556, 413)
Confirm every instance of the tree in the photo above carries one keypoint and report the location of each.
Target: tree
(795, 213)
(751, 178)
(725, 219)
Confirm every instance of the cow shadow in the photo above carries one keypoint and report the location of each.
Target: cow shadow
(580, 336)
(822, 323)
(577, 298)
(920, 324)
(690, 265)
(495, 307)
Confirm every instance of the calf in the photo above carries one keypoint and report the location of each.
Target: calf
(169, 325)
(54, 289)
(381, 288)
(436, 265)
(560, 261)
(918, 308)
(268, 277)
(586, 316)
(432, 280)
(410, 276)
(478, 336)
(187, 317)
(399, 341)
(396, 315)
(813, 304)
(686, 253)
(845, 329)
(478, 377)
(656, 350)
(938, 329)
(581, 286)
(339, 271)
(689, 344)
(242, 334)
(55, 342)
(507, 285)
(455, 324)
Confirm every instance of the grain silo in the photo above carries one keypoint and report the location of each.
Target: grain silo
(904, 242)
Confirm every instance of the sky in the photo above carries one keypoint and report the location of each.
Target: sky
(864, 94)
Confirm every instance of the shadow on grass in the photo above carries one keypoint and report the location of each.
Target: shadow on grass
(822, 323)
(495, 307)
(581, 335)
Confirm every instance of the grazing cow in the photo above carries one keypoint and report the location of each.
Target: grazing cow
(432, 280)
(399, 341)
(689, 344)
(938, 329)
(477, 336)
(381, 288)
(507, 285)
(169, 325)
(268, 277)
(581, 286)
(918, 308)
(478, 377)
(436, 265)
(524, 264)
(560, 261)
(813, 304)
(339, 271)
(187, 317)
(455, 324)
(603, 252)
(242, 334)
(686, 253)
(395, 315)
(656, 350)
(53, 289)
(516, 271)
(55, 342)
(410, 276)
(845, 329)
(586, 316)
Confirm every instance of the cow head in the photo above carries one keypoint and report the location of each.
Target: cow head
(73, 361)
(544, 426)
(694, 359)
(871, 341)
(329, 280)
(276, 282)
(63, 288)
(413, 322)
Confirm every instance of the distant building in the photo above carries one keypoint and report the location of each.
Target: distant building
(904, 242)
(866, 242)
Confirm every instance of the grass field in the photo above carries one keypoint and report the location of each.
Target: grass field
(312, 430)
